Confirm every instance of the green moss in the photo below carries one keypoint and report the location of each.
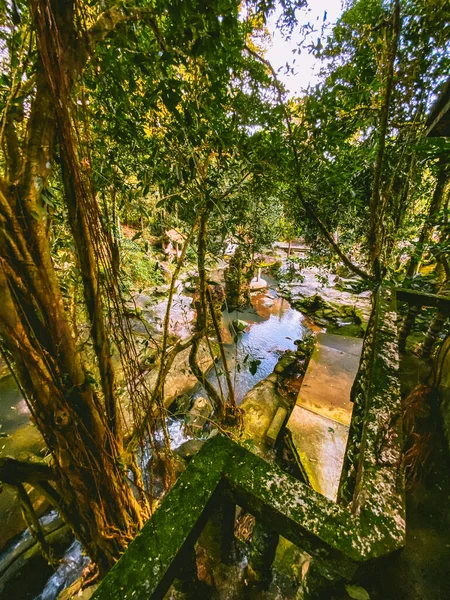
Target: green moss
(338, 536)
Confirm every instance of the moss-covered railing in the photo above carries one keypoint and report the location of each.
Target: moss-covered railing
(416, 302)
(367, 523)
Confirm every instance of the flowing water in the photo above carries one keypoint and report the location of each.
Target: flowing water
(70, 569)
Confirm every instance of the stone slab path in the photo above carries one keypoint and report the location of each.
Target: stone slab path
(320, 420)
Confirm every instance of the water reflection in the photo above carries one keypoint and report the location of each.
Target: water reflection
(273, 326)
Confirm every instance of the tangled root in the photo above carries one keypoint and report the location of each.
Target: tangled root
(418, 426)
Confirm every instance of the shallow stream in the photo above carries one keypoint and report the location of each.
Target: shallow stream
(272, 327)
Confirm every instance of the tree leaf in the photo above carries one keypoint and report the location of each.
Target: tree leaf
(357, 592)
(253, 365)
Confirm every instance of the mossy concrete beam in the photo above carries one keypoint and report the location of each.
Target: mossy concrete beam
(414, 298)
(367, 524)
(372, 480)
(316, 524)
(379, 492)
(153, 559)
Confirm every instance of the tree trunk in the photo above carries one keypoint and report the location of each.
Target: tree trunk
(202, 316)
(40, 343)
(96, 499)
(231, 401)
(430, 222)
(376, 205)
(91, 288)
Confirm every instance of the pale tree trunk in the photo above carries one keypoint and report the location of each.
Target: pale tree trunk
(376, 203)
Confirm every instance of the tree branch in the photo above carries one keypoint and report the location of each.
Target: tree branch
(14, 471)
(114, 16)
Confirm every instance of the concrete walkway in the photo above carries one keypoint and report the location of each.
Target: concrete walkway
(320, 420)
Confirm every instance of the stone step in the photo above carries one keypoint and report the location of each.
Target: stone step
(319, 423)
(276, 425)
(320, 446)
(328, 380)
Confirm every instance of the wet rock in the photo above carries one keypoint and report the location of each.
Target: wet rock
(199, 415)
(310, 295)
(285, 362)
(351, 330)
(182, 315)
(260, 405)
(140, 301)
(189, 448)
(161, 290)
(180, 379)
(268, 302)
(325, 313)
(349, 284)
(165, 271)
(239, 325)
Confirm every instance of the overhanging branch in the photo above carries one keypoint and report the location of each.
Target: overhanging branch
(307, 206)
(116, 15)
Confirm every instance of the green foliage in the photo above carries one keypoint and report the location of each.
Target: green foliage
(177, 116)
(139, 268)
(357, 592)
(336, 127)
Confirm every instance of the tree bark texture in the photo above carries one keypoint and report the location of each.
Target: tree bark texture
(36, 333)
(376, 204)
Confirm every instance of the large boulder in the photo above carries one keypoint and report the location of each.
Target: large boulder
(260, 405)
